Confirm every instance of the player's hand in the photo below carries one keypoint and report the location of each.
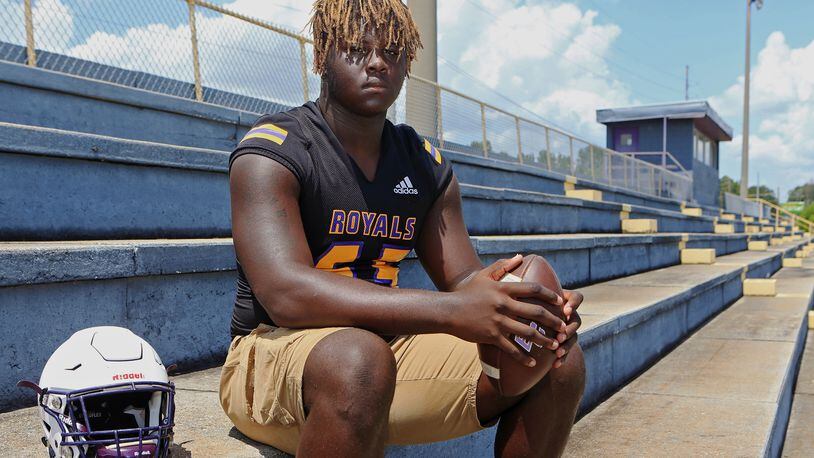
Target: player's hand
(573, 322)
(485, 311)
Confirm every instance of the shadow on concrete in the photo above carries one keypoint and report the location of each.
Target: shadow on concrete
(178, 451)
(263, 449)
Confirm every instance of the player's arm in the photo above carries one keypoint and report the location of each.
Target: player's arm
(450, 260)
(271, 246)
(443, 246)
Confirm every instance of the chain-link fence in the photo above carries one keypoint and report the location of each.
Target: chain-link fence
(199, 50)
(13, 31)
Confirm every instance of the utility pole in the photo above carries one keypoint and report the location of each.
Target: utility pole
(745, 150)
(686, 82)
(423, 98)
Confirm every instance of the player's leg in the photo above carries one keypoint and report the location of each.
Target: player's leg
(349, 380)
(539, 422)
(347, 387)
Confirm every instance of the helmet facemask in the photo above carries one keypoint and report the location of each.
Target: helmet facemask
(129, 419)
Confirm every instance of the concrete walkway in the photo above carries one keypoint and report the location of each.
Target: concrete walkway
(202, 429)
(725, 391)
(800, 434)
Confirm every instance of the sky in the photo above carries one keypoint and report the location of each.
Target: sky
(550, 60)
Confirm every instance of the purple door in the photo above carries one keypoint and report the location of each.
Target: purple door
(626, 139)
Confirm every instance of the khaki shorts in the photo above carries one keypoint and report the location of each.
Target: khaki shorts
(437, 376)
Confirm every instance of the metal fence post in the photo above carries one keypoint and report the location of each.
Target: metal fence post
(591, 152)
(440, 119)
(548, 149)
(483, 128)
(519, 143)
(571, 153)
(661, 184)
(304, 65)
(196, 62)
(608, 166)
(29, 35)
(624, 170)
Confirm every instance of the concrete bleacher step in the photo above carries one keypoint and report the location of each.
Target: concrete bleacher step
(121, 282)
(136, 189)
(528, 212)
(112, 110)
(482, 171)
(628, 323)
(800, 435)
(724, 391)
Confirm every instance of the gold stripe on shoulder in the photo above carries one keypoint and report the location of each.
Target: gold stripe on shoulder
(272, 138)
(267, 131)
(432, 151)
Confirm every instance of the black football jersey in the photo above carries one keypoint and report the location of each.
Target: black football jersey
(354, 226)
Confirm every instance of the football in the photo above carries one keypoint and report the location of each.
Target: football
(509, 376)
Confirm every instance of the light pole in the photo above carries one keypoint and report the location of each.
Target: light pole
(745, 152)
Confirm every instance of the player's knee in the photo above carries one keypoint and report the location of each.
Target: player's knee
(569, 379)
(354, 371)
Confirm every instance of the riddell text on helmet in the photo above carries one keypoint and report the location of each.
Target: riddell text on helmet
(129, 376)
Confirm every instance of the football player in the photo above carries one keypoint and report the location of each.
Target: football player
(328, 356)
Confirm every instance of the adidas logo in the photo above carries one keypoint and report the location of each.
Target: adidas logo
(405, 187)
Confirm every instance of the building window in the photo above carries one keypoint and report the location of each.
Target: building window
(704, 149)
(626, 140)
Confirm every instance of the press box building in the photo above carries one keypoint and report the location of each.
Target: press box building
(683, 137)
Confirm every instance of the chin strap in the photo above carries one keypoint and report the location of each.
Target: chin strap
(30, 385)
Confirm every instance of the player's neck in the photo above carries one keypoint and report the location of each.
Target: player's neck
(360, 136)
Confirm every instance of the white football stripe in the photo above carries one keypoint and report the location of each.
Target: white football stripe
(490, 371)
(511, 278)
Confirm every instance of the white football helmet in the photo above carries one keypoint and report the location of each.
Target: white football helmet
(105, 392)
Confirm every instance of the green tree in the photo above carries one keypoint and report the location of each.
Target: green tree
(803, 193)
(479, 146)
(731, 186)
(728, 185)
(540, 159)
(583, 165)
(765, 194)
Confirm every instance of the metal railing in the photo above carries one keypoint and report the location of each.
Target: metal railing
(196, 49)
(736, 204)
(667, 160)
(796, 220)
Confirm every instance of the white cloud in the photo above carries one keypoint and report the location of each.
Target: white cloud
(548, 56)
(781, 146)
(290, 14)
(12, 28)
(54, 16)
(48, 15)
(235, 56)
(156, 48)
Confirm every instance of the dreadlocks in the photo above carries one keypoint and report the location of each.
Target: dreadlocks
(343, 23)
